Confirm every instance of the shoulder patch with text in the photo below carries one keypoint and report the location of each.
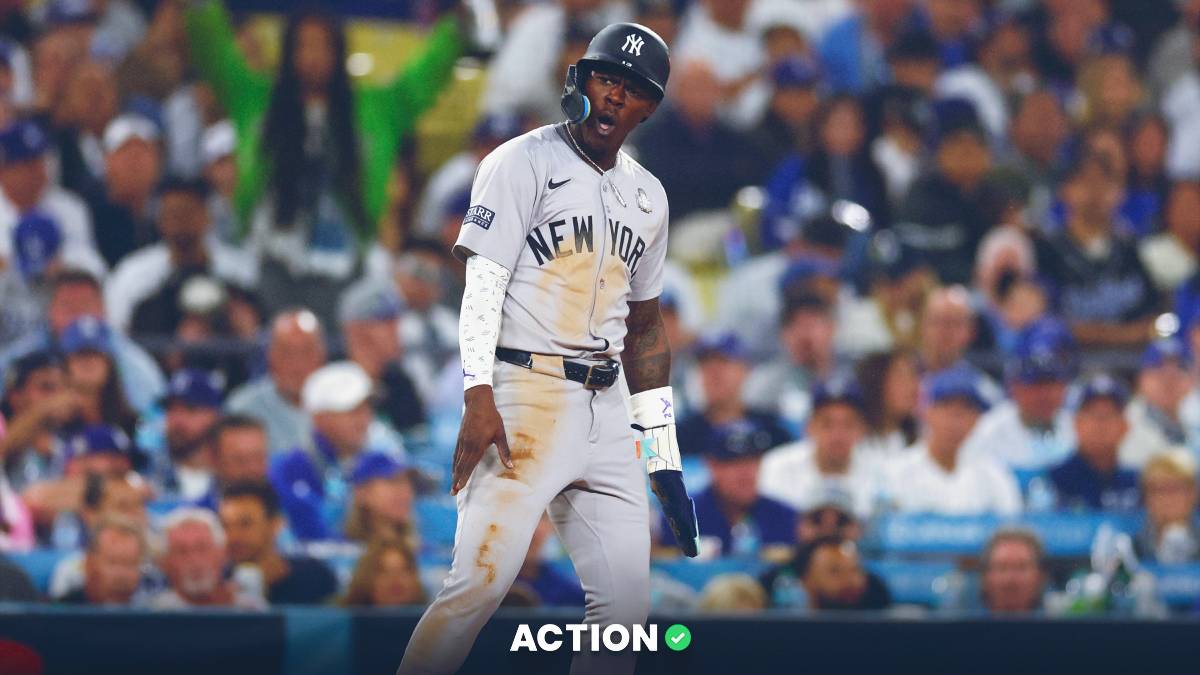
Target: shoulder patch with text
(480, 215)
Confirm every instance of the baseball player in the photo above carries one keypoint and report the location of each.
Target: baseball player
(564, 244)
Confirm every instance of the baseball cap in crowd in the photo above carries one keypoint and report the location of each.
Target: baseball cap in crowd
(219, 140)
(100, 439)
(370, 300)
(1045, 351)
(22, 141)
(195, 388)
(803, 269)
(21, 369)
(126, 128)
(373, 465)
(1101, 385)
(1163, 350)
(338, 387)
(68, 12)
(724, 343)
(799, 72)
(891, 258)
(832, 497)
(742, 439)
(37, 240)
(952, 116)
(498, 127)
(85, 334)
(840, 388)
(914, 45)
(957, 382)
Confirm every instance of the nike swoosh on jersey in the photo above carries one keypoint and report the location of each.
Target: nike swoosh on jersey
(554, 186)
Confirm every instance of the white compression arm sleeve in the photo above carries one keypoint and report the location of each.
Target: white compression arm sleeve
(479, 320)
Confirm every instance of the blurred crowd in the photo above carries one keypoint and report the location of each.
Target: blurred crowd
(927, 257)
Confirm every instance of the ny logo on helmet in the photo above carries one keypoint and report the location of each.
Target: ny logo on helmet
(633, 44)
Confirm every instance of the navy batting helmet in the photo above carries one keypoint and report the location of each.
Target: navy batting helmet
(630, 46)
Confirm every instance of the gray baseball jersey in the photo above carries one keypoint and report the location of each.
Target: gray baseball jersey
(579, 245)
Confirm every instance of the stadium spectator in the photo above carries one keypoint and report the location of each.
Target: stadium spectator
(830, 514)
(1101, 288)
(25, 283)
(382, 505)
(732, 593)
(831, 577)
(105, 498)
(386, 576)
(1147, 186)
(1014, 573)
(720, 36)
(75, 294)
(318, 189)
(296, 350)
(540, 580)
(1111, 89)
(788, 125)
(455, 174)
(89, 355)
(891, 390)
(948, 327)
(1001, 71)
(897, 146)
(1030, 430)
(312, 480)
(722, 365)
(1038, 135)
(37, 404)
(192, 406)
(429, 329)
(735, 519)
(1156, 413)
(90, 101)
(250, 515)
(807, 335)
(934, 476)
(798, 472)
(194, 563)
(219, 169)
(123, 204)
(93, 449)
(144, 294)
(700, 160)
(853, 49)
(898, 285)
(1170, 257)
(26, 187)
(239, 454)
(839, 168)
(1092, 478)
(112, 567)
(1171, 534)
(945, 215)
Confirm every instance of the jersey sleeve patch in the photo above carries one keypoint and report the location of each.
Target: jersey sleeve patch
(480, 215)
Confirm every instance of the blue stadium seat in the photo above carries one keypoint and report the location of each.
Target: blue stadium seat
(436, 518)
(39, 565)
(911, 582)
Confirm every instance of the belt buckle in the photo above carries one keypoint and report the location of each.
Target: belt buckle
(606, 368)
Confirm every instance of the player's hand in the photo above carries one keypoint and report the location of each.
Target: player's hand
(482, 426)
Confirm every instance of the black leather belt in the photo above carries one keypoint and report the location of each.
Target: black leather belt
(592, 375)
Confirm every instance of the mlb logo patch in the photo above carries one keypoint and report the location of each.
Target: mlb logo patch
(479, 215)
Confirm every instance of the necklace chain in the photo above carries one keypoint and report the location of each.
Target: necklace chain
(594, 165)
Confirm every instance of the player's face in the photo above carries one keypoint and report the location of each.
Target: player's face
(619, 103)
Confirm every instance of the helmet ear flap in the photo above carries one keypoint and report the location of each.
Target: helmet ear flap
(575, 105)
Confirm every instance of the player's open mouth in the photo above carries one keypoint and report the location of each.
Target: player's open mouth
(605, 124)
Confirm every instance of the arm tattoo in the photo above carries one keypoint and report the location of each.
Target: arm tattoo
(647, 357)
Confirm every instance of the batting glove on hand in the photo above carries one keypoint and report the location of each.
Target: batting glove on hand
(654, 417)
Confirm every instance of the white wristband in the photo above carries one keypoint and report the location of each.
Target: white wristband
(654, 415)
(479, 320)
(653, 407)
